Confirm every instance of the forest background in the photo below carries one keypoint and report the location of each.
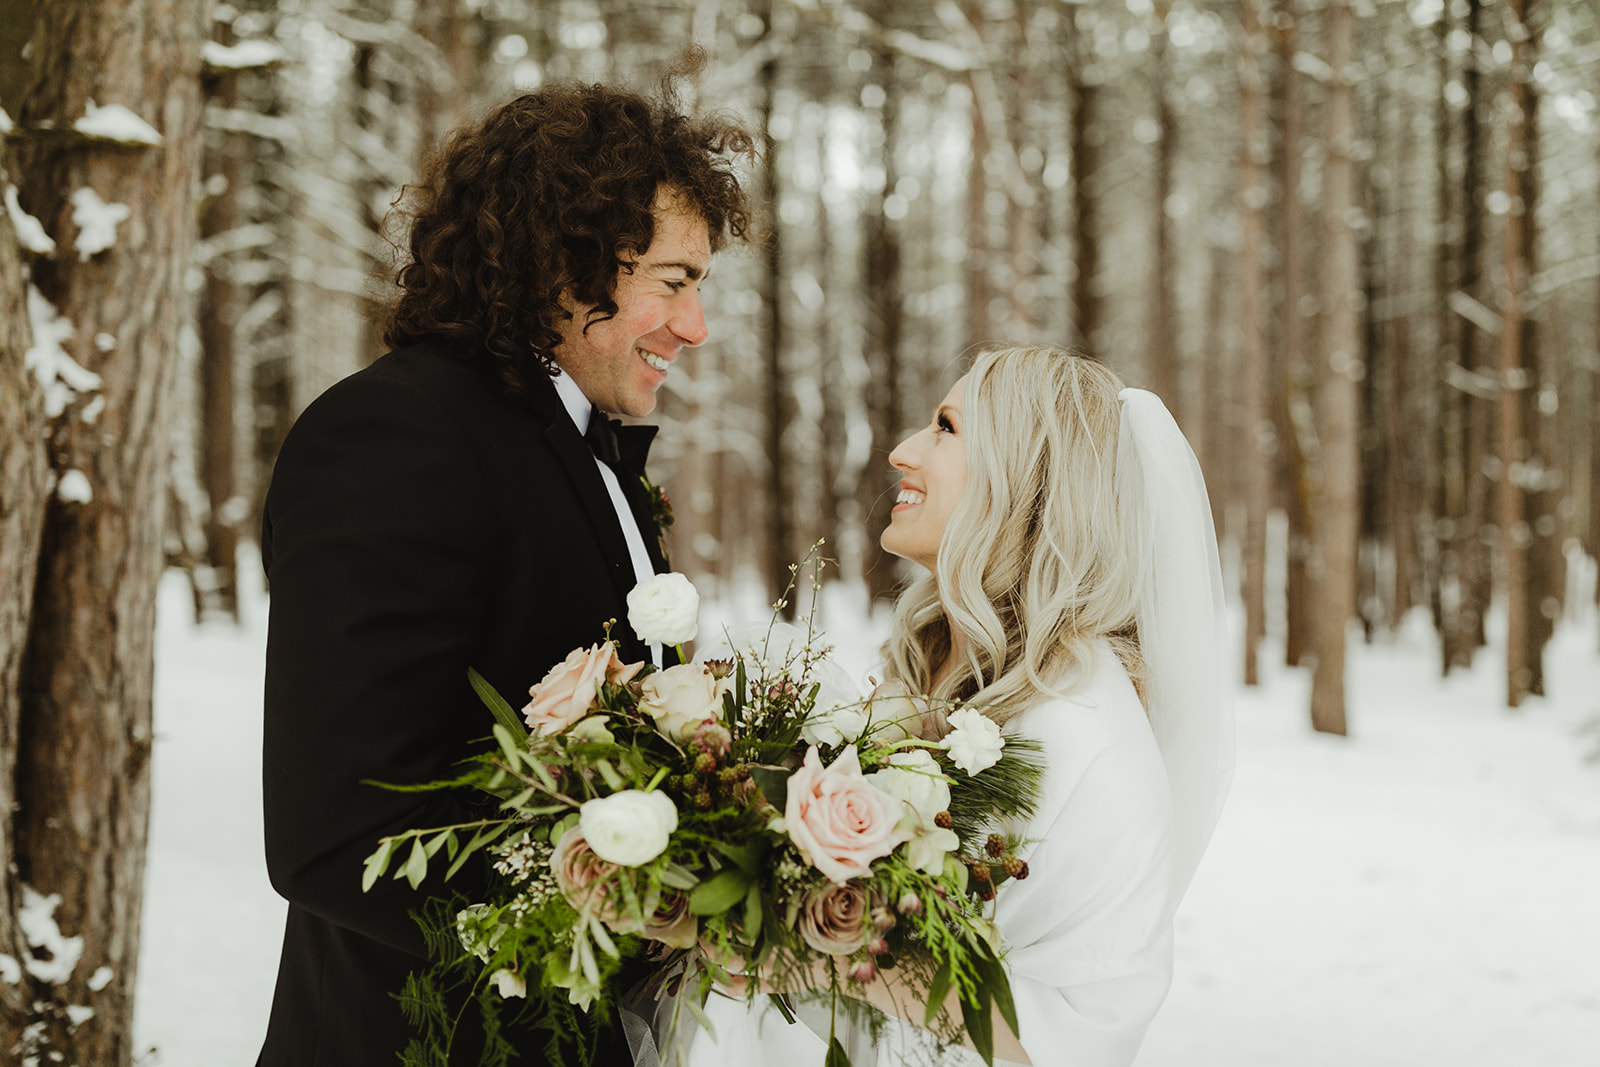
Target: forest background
(1354, 246)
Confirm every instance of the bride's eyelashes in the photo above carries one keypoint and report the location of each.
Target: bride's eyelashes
(943, 424)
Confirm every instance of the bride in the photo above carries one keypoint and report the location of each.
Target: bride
(1072, 591)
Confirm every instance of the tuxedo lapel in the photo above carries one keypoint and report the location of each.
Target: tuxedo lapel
(578, 463)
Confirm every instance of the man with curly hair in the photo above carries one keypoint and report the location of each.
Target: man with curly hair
(466, 502)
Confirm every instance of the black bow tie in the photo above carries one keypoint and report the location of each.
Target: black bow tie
(602, 438)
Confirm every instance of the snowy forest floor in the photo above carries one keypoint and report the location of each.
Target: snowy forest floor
(1420, 893)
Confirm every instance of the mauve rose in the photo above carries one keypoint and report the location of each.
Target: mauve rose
(840, 821)
(671, 923)
(833, 919)
(566, 694)
(578, 870)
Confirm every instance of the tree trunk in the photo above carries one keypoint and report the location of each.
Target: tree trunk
(223, 167)
(1088, 314)
(1338, 396)
(1161, 350)
(885, 324)
(1464, 629)
(83, 746)
(980, 326)
(1292, 405)
(1512, 447)
(779, 541)
(25, 475)
(1255, 426)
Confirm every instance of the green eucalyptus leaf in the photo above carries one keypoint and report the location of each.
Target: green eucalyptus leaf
(719, 894)
(752, 913)
(504, 715)
(979, 1021)
(836, 1054)
(675, 876)
(376, 863)
(416, 868)
(938, 989)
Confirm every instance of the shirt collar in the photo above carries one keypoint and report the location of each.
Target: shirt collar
(578, 406)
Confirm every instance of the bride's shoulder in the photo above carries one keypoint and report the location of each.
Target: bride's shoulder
(1102, 707)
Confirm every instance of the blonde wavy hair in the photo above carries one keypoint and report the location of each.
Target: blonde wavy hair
(1033, 566)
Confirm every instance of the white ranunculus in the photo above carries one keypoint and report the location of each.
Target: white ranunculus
(509, 983)
(914, 777)
(628, 828)
(974, 743)
(927, 851)
(665, 608)
(896, 714)
(681, 698)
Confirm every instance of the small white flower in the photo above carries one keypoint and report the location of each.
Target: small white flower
(915, 778)
(926, 852)
(509, 983)
(665, 608)
(628, 828)
(975, 742)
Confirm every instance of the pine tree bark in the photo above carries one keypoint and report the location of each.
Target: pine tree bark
(1338, 403)
(24, 476)
(1256, 430)
(84, 732)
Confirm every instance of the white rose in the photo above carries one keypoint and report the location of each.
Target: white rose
(926, 852)
(915, 778)
(665, 608)
(628, 828)
(509, 983)
(681, 698)
(896, 714)
(975, 742)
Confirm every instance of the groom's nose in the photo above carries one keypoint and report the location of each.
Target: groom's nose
(688, 322)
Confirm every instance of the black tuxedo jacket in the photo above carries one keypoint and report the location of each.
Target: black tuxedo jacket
(419, 522)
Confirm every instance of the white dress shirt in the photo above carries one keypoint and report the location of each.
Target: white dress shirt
(581, 410)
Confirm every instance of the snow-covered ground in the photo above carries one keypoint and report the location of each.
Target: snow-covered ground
(1425, 892)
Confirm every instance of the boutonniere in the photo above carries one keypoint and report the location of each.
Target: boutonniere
(660, 510)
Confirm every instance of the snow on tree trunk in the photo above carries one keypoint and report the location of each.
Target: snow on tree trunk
(76, 843)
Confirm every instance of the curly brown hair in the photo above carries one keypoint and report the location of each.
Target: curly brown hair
(552, 193)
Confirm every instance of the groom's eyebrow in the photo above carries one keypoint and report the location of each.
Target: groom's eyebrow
(692, 271)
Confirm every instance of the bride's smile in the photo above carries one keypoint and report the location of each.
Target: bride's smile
(933, 467)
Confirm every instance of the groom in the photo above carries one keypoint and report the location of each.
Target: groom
(461, 503)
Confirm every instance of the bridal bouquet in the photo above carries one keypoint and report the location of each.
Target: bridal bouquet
(749, 814)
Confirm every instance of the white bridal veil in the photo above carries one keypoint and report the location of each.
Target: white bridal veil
(1182, 618)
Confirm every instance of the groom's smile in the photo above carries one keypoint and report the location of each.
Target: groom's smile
(620, 362)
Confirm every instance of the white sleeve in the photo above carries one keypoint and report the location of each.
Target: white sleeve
(1089, 941)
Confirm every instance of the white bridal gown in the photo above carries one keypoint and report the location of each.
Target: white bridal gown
(1088, 934)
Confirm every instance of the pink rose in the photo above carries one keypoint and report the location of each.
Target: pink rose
(567, 693)
(833, 919)
(580, 874)
(840, 821)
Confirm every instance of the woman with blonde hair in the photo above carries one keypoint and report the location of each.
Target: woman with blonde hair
(1073, 594)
